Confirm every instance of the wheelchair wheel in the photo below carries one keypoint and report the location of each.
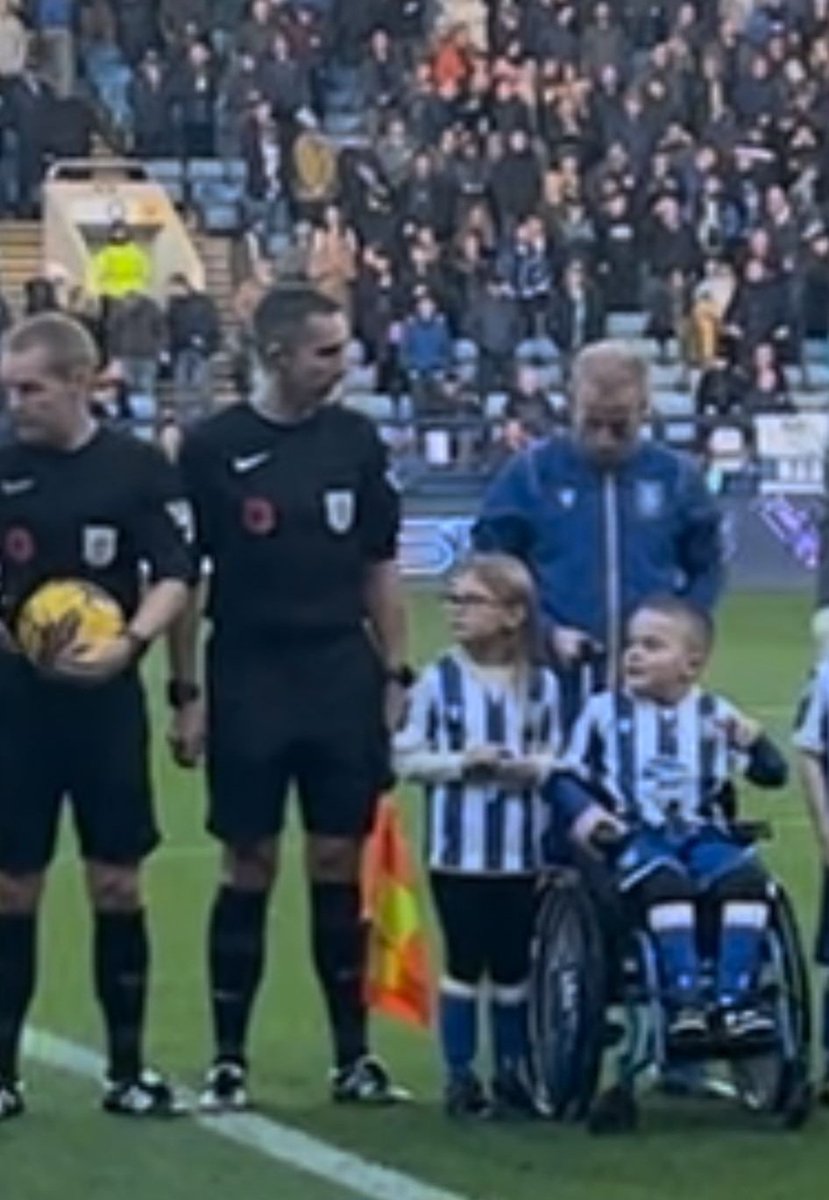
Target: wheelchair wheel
(777, 1082)
(567, 998)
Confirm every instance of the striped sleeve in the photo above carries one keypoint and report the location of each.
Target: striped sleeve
(420, 752)
(811, 731)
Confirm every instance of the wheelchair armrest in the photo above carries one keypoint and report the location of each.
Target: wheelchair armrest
(747, 832)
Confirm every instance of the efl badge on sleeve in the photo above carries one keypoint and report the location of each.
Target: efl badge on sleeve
(339, 509)
(650, 498)
(258, 516)
(99, 546)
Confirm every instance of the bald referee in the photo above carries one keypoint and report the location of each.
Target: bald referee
(305, 669)
(78, 501)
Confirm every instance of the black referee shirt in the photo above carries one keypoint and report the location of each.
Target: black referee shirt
(98, 513)
(290, 515)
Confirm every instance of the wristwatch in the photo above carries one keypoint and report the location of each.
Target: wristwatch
(181, 692)
(404, 675)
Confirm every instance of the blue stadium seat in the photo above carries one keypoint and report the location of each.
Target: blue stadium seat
(494, 406)
(218, 204)
(465, 351)
(235, 170)
(371, 404)
(673, 403)
(625, 324)
(354, 355)
(665, 375)
(201, 170)
(168, 172)
(816, 350)
(360, 378)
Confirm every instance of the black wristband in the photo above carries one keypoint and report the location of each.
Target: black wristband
(404, 675)
(181, 692)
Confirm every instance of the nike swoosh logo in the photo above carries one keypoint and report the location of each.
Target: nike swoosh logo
(14, 487)
(250, 462)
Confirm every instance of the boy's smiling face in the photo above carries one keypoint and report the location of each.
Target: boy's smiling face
(664, 656)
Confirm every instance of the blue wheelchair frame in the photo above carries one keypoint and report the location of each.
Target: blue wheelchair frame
(572, 1000)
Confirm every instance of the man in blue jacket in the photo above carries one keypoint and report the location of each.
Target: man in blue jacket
(604, 518)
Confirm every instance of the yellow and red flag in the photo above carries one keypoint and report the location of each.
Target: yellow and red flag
(398, 979)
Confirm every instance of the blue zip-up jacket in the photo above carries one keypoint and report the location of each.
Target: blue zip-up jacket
(599, 542)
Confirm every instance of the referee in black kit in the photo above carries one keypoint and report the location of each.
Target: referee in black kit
(78, 501)
(305, 670)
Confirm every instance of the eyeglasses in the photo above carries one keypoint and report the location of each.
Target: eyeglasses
(468, 600)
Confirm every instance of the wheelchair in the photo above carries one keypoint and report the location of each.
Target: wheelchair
(595, 988)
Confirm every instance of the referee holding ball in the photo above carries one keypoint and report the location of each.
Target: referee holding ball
(305, 671)
(79, 502)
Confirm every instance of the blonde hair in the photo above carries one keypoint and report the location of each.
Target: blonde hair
(512, 586)
(609, 366)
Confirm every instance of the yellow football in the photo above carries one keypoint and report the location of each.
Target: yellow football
(66, 612)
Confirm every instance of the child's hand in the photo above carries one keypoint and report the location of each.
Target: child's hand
(517, 772)
(741, 731)
(481, 761)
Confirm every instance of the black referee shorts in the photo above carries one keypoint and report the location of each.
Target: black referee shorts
(309, 713)
(88, 746)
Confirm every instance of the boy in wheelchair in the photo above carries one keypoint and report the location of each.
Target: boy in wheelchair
(652, 759)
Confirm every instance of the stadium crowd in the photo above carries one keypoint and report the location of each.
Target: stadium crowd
(472, 188)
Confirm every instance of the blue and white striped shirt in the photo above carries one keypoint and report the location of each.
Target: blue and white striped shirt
(657, 762)
(480, 827)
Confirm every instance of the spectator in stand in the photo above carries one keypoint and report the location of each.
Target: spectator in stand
(383, 78)
(768, 388)
(524, 266)
(54, 22)
(136, 337)
(150, 99)
(284, 81)
(495, 327)
(378, 313)
(39, 296)
(137, 28)
(255, 37)
(451, 62)
(14, 44)
(395, 152)
(313, 178)
(619, 265)
(425, 351)
(516, 182)
(721, 395)
(84, 308)
(759, 310)
(529, 415)
(467, 272)
(577, 313)
(332, 265)
(29, 108)
(193, 339)
(261, 149)
(120, 266)
(194, 90)
(815, 301)
(426, 197)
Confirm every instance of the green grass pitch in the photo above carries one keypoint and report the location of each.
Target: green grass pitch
(64, 1148)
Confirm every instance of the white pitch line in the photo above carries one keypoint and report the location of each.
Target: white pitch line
(298, 1151)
